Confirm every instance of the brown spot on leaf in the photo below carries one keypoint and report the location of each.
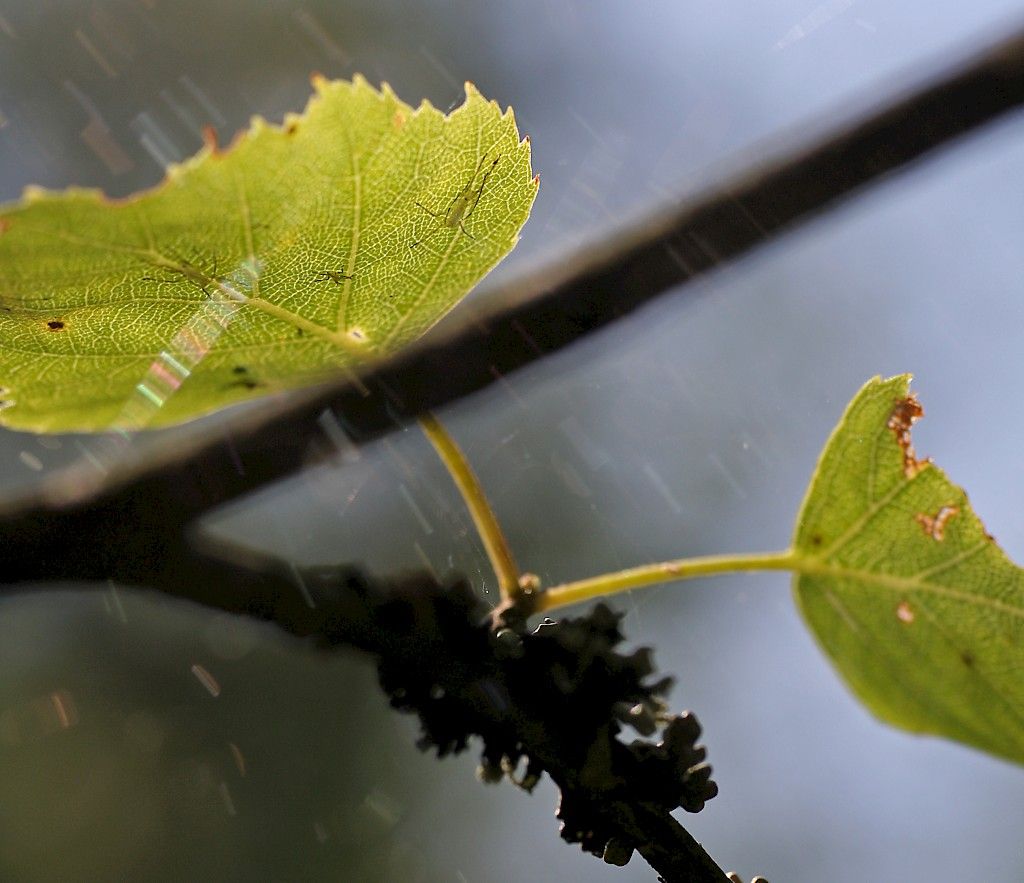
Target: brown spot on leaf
(210, 139)
(5, 225)
(816, 540)
(967, 658)
(398, 120)
(291, 128)
(904, 414)
(935, 526)
(904, 612)
(244, 379)
(55, 325)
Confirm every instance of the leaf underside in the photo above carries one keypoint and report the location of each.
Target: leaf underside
(229, 280)
(919, 609)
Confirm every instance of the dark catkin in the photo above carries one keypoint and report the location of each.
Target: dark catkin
(553, 699)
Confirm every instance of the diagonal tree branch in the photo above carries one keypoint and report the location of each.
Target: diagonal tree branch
(169, 484)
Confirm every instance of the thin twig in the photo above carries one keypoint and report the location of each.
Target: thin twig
(473, 496)
(654, 574)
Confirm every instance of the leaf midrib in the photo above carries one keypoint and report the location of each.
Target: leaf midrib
(336, 337)
(805, 565)
(158, 259)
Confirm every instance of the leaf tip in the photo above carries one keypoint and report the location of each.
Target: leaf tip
(896, 381)
(210, 140)
(474, 95)
(33, 193)
(906, 411)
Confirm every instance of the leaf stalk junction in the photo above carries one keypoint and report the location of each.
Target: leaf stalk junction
(524, 591)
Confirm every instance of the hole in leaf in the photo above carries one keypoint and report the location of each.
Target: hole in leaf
(905, 413)
(935, 526)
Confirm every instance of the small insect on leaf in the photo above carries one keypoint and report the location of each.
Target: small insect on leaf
(335, 276)
(464, 203)
(237, 259)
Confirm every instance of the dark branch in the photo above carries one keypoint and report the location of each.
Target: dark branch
(552, 701)
(518, 325)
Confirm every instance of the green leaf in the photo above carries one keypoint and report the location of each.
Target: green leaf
(228, 281)
(918, 608)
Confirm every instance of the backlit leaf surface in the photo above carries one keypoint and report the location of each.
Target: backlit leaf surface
(228, 280)
(919, 609)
